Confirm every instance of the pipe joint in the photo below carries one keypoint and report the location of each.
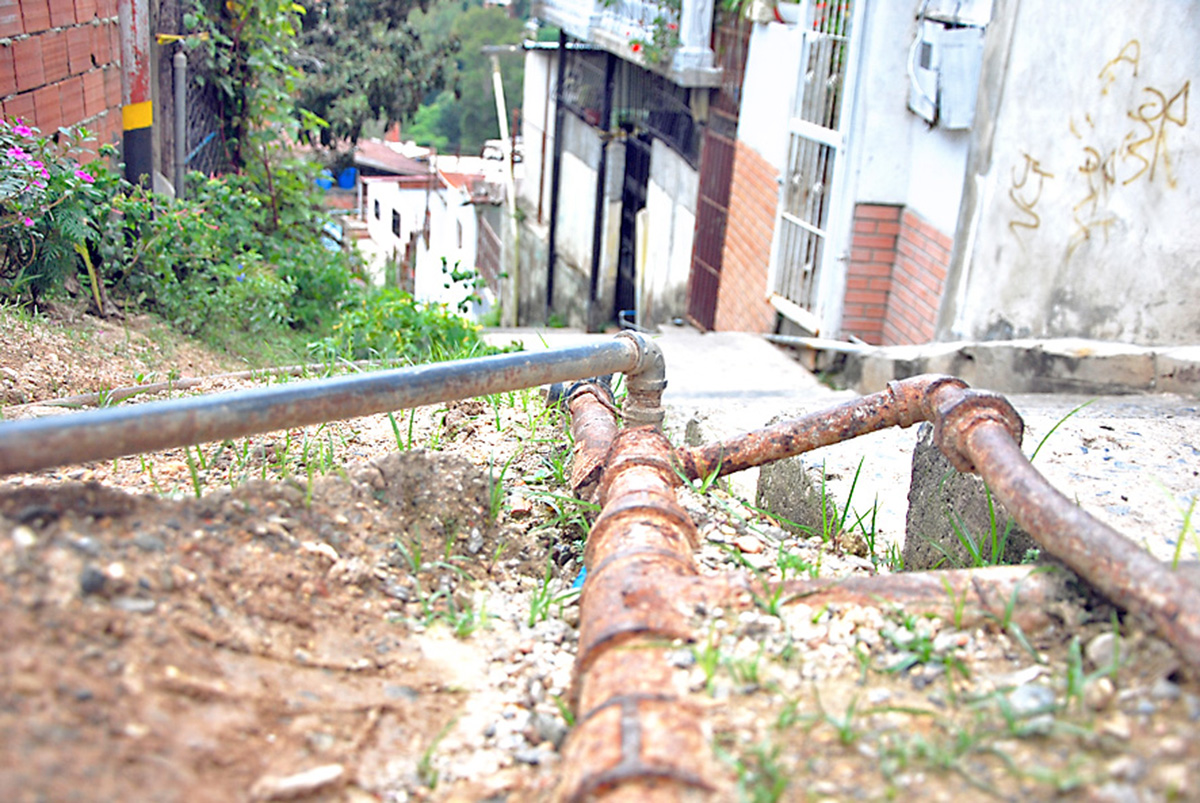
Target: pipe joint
(646, 382)
(957, 413)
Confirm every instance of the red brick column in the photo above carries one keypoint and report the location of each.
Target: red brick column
(753, 195)
(61, 64)
(922, 260)
(869, 275)
(897, 271)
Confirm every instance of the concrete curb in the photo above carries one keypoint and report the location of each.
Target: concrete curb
(1067, 365)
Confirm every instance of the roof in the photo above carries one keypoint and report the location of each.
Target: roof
(389, 158)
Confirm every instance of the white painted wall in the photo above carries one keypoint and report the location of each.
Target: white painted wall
(895, 157)
(671, 196)
(1087, 180)
(772, 73)
(453, 229)
(537, 119)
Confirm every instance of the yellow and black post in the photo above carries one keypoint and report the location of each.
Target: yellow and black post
(137, 107)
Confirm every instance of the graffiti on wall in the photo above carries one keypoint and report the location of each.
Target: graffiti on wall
(1119, 144)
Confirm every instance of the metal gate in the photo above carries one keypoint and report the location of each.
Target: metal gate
(731, 42)
(633, 200)
(806, 235)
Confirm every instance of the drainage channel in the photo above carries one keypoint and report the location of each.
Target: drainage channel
(639, 735)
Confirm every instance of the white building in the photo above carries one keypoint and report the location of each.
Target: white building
(423, 227)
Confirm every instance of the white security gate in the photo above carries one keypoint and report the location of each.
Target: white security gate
(806, 229)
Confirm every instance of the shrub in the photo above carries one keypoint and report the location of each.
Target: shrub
(390, 324)
(49, 208)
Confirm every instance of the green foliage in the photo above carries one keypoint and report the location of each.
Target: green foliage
(465, 119)
(391, 324)
(249, 54)
(50, 208)
(217, 260)
(362, 61)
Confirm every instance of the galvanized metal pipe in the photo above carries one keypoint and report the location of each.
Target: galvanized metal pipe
(31, 445)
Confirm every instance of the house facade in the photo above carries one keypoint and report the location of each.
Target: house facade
(420, 229)
(889, 172)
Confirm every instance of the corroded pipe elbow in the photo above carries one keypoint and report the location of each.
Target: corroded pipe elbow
(646, 383)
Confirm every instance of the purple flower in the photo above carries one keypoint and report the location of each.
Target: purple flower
(28, 222)
(22, 130)
(84, 176)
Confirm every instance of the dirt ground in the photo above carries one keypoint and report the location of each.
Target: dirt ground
(382, 610)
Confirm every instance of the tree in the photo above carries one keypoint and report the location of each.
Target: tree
(465, 121)
(361, 61)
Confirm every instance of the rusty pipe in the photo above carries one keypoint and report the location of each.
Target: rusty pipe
(637, 736)
(593, 427)
(1117, 567)
(902, 404)
(980, 432)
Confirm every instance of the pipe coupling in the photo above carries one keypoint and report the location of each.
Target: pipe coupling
(960, 412)
(646, 382)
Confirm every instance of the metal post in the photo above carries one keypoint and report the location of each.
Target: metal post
(34, 444)
(556, 175)
(593, 322)
(179, 62)
(137, 108)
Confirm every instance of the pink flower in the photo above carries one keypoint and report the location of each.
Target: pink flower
(16, 153)
(84, 176)
(28, 222)
(23, 130)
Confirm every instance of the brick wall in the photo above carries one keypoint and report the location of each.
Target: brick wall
(741, 302)
(60, 65)
(898, 264)
(869, 275)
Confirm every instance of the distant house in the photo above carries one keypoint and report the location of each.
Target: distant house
(422, 222)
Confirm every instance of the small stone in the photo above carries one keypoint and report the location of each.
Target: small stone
(1100, 650)
(92, 580)
(1173, 779)
(23, 537)
(395, 691)
(134, 604)
(749, 544)
(1164, 689)
(1031, 699)
(529, 755)
(475, 541)
(1098, 693)
(1126, 768)
(681, 659)
(549, 728)
(1117, 727)
(1145, 708)
(1172, 746)
(148, 543)
(274, 787)
(86, 545)
(1114, 793)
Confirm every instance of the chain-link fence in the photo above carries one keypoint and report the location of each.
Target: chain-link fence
(205, 144)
